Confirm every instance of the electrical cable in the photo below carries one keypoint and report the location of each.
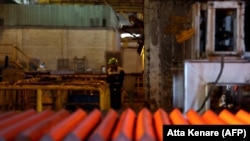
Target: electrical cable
(214, 84)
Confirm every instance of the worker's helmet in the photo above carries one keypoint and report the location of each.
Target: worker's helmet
(112, 61)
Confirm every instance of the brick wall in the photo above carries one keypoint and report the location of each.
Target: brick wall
(49, 45)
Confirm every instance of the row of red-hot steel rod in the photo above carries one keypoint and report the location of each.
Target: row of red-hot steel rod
(93, 126)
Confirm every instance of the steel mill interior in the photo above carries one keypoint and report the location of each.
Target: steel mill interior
(180, 62)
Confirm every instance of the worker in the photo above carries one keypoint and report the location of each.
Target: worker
(115, 77)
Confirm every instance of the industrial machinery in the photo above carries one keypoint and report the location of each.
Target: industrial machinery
(218, 76)
(219, 73)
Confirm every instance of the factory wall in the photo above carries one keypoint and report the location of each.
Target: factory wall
(51, 44)
(50, 32)
(132, 62)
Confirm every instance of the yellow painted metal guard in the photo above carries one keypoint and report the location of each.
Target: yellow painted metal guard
(101, 87)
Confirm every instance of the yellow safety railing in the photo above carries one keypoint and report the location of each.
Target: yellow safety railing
(16, 56)
(10, 93)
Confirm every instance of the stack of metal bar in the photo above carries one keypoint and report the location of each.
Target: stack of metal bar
(97, 125)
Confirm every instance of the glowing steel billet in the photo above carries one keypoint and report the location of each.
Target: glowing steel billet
(125, 127)
(85, 127)
(17, 118)
(144, 126)
(229, 118)
(194, 117)
(104, 131)
(7, 115)
(243, 115)
(177, 117)
(58, 132)
(9, 133)
(35, 132)
(160, 118)
(210, 117)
